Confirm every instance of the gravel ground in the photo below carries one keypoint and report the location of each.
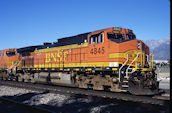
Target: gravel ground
(76, 103)
(164, 85)
(163, 74)
(164, 79)
(11, 91)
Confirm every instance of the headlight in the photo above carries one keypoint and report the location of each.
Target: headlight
(138, 45)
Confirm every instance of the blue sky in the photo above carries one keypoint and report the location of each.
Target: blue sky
(32, 22)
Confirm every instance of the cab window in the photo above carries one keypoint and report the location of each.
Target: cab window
(116, 36)
(101, 38)
(130, 37)
(10, 53)
(119, 38)
(97, 38)
(1, 54)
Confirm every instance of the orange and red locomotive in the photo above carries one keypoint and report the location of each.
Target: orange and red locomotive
(111, 59)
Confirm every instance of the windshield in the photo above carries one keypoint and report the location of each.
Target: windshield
(130, 37)
(117, 37)
(10, 53)
(114, 35)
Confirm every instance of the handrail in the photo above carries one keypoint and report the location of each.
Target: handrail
(131, 64)
(148, 60)
(121, 68)
(12, 65)
(16, 64)
(152, 60)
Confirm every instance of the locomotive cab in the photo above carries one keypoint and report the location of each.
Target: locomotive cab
(9, 62)
(134, 62)
(9, 59)
(118, 51)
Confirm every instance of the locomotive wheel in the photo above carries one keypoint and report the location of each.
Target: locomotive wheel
(4, 78)
(26, 80)
(32, 80)
(97, 83)
(1, 75)
(83, 85)
(98, 86)
(115, 88)
(20, 78)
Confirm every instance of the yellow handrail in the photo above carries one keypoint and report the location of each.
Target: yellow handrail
(152, 60)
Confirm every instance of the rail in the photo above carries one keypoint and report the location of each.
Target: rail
(73, 90)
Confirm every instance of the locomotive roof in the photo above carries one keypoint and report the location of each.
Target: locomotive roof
(77, 39)
(9, 49)
(28, 49)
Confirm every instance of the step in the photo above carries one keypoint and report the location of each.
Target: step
(125, 81)
(125, 77)
(123, 90)
(126, 86)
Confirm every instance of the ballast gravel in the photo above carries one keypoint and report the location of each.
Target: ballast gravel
(74, 103)
(41, 99)
(11, 91)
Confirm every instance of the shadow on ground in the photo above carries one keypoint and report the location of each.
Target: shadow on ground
(90, 104)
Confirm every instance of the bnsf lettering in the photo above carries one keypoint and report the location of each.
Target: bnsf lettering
(55, 57)
(97, 50)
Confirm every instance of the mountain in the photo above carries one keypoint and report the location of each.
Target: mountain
(160, 48)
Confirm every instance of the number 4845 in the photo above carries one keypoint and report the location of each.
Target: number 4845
(97, 50)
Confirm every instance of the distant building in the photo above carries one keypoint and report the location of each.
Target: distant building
(161, 61)
(162, 67)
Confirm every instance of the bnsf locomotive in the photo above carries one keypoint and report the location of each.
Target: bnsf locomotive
(108, 59)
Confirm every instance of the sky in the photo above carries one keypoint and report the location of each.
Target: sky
(33, 22)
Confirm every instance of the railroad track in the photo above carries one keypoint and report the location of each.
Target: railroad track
(155, 100)
(17, 107)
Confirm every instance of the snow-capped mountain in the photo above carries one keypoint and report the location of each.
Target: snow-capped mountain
(160, 48)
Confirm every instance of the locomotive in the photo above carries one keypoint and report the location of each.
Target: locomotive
(108, 59)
